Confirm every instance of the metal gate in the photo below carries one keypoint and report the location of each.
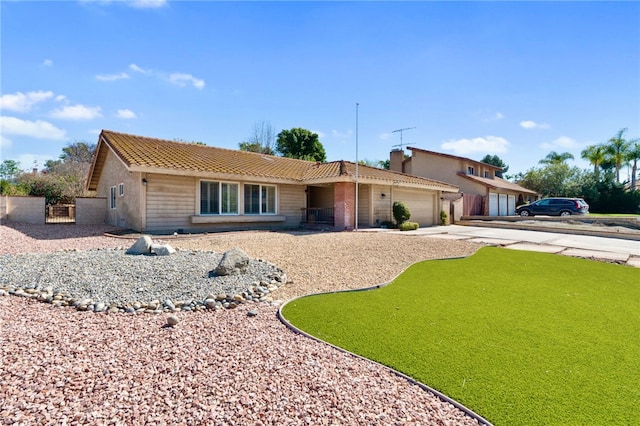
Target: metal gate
(60, 213)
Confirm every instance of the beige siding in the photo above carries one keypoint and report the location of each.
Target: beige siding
(170, 202)
(381, 205)
(364, 206)
(173, 200)
(421, 204)
(321, 196)
(291, 199)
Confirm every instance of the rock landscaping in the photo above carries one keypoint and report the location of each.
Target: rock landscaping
(146, 278)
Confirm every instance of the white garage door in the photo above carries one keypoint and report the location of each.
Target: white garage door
(493, 204)
(421, 204)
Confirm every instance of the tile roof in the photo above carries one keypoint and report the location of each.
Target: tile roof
(144, 154)
(498, 183)
(441, 154)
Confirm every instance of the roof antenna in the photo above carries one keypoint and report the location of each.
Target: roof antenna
(401, 130)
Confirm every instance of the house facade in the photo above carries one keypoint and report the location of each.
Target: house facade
(483, 192)
(158, 186)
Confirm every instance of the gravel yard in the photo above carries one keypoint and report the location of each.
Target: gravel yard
(61, 366)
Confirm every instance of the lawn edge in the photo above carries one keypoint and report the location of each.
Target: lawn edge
(410, 379)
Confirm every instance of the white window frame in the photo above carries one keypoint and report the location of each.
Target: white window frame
(121, 189)
(261, 210)
(220, 198)
(470, 170)
(112, 197)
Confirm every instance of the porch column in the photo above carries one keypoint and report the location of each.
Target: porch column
(344, 205)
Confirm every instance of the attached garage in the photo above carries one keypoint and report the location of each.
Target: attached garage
(421, 204)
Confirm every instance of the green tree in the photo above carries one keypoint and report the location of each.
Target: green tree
(9, 169)
(68, 174)
(386, 164)
(633, 155)
(300, 143)
(552, 180)
(494, 160)
(595, 155)
(617, 150)
(261, 140)
(554, 158)
(401, 212)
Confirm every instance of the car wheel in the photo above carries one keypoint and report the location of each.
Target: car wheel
(565, 213)
(524, 213)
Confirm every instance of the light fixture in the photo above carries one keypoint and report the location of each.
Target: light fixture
(144, 181)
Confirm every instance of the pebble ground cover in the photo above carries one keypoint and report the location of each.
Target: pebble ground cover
(518, 337)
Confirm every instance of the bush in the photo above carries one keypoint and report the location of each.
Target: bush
(409, 226)
(401, 212)
(387, 224)
(443, 217)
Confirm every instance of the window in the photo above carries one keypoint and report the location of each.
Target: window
(218, 198)
(470, 170)
(487, 174)
(121, 189)
(112, 198)
(259, 199)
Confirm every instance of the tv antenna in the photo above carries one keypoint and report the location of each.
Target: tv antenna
(401, 130)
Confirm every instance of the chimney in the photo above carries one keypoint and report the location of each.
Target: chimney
(396, 157)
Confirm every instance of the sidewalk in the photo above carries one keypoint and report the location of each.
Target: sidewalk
(591, 247)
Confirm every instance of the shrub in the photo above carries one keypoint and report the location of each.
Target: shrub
(409, 226)
(401, 212)
(443, 217)
(387, 224)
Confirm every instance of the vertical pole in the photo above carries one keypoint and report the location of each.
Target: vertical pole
(356, 218)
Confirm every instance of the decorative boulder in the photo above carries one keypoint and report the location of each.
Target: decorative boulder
(234, 261)
(141, 246)
(162, 249)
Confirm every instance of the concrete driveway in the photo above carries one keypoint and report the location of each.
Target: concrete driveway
(610, 249)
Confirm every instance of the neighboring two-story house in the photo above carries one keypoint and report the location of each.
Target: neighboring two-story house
(483, 192)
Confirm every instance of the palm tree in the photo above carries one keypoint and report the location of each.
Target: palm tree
(594, 154)
(555, 158)
(617, 150)
(633, 155)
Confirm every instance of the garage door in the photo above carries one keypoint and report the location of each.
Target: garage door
(421, 204)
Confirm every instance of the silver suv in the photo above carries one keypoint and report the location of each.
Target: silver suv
(554, 207)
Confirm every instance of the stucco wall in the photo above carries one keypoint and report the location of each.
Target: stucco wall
(91, 211)
(128, 211)
(25, 209)
(3, 208)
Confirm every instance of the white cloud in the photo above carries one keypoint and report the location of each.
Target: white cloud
(182, 80)
(112, 77)
(529, 124)
(147, 4)
(346, 135)
(77, 112)
(138, 4)
(21, 102)
(134, 67)
(563, 142)
(488, 144)
(47, 63)
(61, 98)
(488, 115)
(384, 136)
(35, 129)
(126, 114)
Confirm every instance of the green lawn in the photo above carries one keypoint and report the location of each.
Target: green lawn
(519, 337)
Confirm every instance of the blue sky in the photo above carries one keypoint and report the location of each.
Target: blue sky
(514, 79)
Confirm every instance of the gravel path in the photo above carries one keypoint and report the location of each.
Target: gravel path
(61, 366)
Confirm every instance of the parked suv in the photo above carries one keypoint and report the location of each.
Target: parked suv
(554, 207)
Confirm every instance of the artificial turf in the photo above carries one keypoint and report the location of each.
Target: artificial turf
(521, 338)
